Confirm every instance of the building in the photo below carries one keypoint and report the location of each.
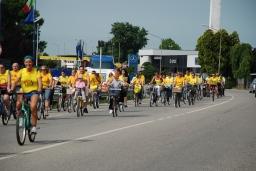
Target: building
(170, 60)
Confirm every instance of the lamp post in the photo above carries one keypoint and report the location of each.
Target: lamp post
(156, 36)
(214, 29)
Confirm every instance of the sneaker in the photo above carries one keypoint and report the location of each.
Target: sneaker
(85, 110)
(33, 130)
(110, 111)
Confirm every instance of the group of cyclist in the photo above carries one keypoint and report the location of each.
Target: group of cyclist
(30, 82)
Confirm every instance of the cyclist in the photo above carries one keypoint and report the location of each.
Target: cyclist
(81, 84)
(14, 74)
(95, 82)
(168, 82)
(142, 80)
(137, 86)
(179, 83)
(123, 94)
(31, 86)
(5, 85)
(46, 86)
(157, 79)
(63, 81)
(72, 79)
(115, 83)
(213, 81)
(193, 82)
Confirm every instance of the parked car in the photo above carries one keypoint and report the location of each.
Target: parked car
(252, 87)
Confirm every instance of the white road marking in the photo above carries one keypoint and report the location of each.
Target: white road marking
(113, 130)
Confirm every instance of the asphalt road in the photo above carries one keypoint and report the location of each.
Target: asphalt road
(218, 135)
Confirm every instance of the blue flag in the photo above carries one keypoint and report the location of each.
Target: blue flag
(30, 18)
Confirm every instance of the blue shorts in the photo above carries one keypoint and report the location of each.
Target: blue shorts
(46, 94)
(29, 95)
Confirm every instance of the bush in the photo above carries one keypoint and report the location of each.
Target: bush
(230, 83)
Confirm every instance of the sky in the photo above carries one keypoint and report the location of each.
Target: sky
(67, 21)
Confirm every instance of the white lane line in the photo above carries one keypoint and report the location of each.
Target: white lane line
(113, 130)
(7, 157)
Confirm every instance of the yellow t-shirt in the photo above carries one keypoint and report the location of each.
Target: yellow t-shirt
(14, 76)
(94, 82)
(168, 81)
(136, 81)
(4, 79)
(158, 81)
(71, 80)
(29, 80)
(213, 80)
(85, 76)
(179, 82)
(63, 80)
(193, 81)
(46, 79)
(187, 77)
(142, 79)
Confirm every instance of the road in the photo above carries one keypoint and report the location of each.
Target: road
(218, 135)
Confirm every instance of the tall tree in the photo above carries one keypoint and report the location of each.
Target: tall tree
(129, 38)
(17, 36)
(241, 59)
(169, 44)
(210, 45)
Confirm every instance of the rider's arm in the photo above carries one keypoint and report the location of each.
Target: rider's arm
(9, 81)
(151, 82)
(39, 81)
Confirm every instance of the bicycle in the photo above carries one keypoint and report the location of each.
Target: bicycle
(13, 105)
(213, 91)
(70, 102)
(137, 91)
(114, 94)
(41, 107)
(95, 99)
(23, 123)
(79, 103)
(191, 94)
(153, 96)
(177, 96)
(6, 115)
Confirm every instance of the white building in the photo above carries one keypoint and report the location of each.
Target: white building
(170, 60)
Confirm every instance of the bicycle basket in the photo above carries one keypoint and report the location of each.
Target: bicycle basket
(176, 90)
(114, 92)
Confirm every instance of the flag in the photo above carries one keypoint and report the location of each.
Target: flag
(80, 49)
(30, 18)
(28, 6)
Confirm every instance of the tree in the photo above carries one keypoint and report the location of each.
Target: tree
(130, 38)
(208, 46)
(17, 36)
(107, 47)
(149, 71)
(169, 44)
(241, 59)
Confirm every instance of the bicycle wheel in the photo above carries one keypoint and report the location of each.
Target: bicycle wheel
(31, 136)
(6, 115)
(151, 101)
(21, 129)
(78, 111)
(70, 104)
(59, 104)
(94, 100)
(13, 109)
(213, 94)
(176, 100)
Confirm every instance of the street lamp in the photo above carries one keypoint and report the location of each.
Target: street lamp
(214, 29)
(160, 58)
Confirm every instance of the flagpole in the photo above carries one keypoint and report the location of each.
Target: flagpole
(34, 30)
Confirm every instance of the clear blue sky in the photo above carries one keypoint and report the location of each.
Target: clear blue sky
(90, 20)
